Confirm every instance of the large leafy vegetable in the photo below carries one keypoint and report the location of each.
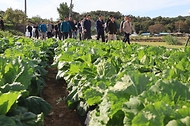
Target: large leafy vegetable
(128, 84)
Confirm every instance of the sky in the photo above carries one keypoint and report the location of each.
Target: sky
(143, 8)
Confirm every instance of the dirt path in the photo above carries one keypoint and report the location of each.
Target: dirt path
(54, 93)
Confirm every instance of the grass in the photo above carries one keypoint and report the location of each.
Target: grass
(160, 44)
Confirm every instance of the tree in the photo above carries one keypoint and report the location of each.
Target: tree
(182, 26)
(36, 19)
(157, 28)
(170, 27)
(145, 24)
(15, 16)
(63, 10)
(2, 13)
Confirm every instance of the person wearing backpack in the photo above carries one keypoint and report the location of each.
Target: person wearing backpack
(121, 24)
(127, 29)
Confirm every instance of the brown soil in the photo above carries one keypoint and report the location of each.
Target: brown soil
(54, 93)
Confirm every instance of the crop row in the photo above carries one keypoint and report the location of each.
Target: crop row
(129, 85)
(22, 67)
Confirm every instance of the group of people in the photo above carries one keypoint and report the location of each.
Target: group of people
(40, 30)
(69, 28)
(111, 28)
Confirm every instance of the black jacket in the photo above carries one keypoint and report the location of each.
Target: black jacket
(99, 26)
(29, 28)
(72, 25)
(87, 25)
(112, 29)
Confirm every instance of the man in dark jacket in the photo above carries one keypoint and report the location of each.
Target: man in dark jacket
(36, 31)
(2, 24)
(107, 22)
(112, 29)
(72, 27)
(59, 30)
(30, 30)
(100, 28)
(87, 28)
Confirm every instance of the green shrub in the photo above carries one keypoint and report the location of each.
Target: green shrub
(15, 32)
(171, 40)
(5, 34)
(10, 33)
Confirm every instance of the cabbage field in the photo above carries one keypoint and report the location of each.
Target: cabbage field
(22, 67)
(115, 83)
(128, 85)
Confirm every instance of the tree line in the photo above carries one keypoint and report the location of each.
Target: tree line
(141, 24)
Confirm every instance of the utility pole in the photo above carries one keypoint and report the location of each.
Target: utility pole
(188, 35)
(179, 27)
(71, 6)
(24, 22)
(25, 7)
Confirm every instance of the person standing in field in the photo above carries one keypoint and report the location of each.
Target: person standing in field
(59, 30)
(75, 29)
(112, 29)
(36, 31)
(65, 28)
(107, 22)
(29, 28)
(72, 27)
(121, 27)
(49, 30)
(82, 27)
(43, 30)
(127, 29)
(87, 28)
(100, 26)
(121, 24)
(53, 29)
(2, 24)
(56, 29)
(79, 25)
